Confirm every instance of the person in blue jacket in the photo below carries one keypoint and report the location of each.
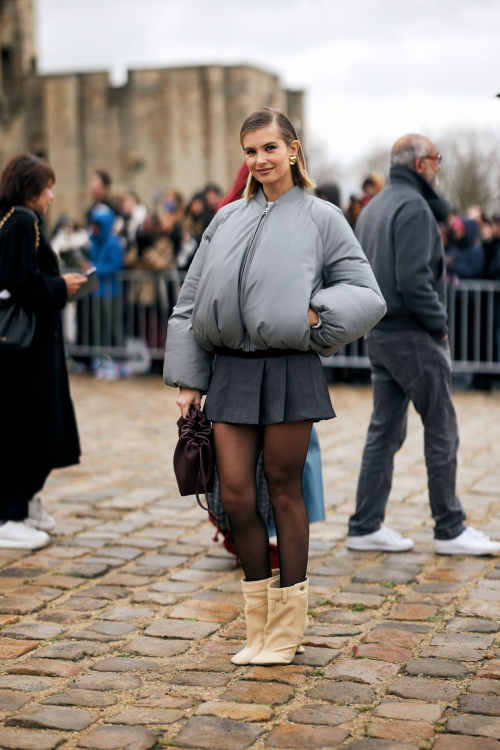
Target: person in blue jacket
(107, 255)
(106, 250)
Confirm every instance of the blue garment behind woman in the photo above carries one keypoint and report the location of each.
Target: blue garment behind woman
(106, 251)
(312, 483)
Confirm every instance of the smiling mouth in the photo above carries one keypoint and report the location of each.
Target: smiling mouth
(264, 171)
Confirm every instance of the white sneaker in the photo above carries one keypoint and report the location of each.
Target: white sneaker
(469, 542)
(38, 518)
(384, 540)
(18, 535)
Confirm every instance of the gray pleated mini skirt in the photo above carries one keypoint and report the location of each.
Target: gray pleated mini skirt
(269, 387)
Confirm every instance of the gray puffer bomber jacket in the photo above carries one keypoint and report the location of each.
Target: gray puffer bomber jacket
(255, 275)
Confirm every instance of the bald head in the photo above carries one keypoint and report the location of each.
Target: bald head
(418, 153)
(409, 148)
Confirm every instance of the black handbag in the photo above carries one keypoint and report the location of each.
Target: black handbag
(17, 325)
(194, 461)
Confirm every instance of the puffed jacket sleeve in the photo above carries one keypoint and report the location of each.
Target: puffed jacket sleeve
(187, 364)
(350, 303)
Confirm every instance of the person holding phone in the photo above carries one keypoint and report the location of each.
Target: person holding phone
(38, 430)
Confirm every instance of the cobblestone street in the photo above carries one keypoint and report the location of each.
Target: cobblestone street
(120, 634)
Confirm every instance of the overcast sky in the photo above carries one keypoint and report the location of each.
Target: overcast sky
(372, 69)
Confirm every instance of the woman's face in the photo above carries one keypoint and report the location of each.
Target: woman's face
(267, 155)
(41, 203)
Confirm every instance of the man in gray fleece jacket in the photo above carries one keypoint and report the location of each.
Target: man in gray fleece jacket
(410, 356)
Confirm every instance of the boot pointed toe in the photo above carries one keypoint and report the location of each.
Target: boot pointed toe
(243, 657)
(271, 658)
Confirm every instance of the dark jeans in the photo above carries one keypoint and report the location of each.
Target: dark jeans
(17, 487)
(409, 366)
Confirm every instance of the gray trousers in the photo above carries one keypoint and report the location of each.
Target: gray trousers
(409, 366)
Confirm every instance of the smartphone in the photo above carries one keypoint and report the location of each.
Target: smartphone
(91, 286)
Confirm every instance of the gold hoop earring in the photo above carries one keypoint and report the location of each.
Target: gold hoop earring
(293, 160)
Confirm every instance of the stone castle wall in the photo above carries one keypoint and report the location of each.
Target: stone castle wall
(172, 127)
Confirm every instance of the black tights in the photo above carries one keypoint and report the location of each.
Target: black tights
(237, 450)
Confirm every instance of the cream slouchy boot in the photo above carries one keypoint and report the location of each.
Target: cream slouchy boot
(255, 595)
(286, 623)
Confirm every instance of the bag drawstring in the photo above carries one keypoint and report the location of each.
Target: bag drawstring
(209, 510)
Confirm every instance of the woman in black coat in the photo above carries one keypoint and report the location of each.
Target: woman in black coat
(38, 429)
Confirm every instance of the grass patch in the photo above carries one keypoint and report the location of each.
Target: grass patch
(357, 607)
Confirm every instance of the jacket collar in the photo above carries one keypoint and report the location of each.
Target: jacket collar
(292, 195)
(404, 175)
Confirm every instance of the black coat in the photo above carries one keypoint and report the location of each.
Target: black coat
(37, 420)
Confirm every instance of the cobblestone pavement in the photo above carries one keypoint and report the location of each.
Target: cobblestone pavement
(120, 634)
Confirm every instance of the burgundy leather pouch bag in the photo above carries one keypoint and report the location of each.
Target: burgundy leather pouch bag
(194, 458)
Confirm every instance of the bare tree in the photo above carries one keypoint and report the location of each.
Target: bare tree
(379, 161)
(470, 174)
(321, 166)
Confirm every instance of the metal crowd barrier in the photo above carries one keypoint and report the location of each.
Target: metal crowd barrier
(136, 305)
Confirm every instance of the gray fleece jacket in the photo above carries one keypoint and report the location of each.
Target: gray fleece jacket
(255, 275)
(401, 239)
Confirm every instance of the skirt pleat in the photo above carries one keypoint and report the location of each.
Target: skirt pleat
(268, 390)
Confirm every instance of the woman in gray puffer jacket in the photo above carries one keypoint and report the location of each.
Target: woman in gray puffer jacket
(278, 279)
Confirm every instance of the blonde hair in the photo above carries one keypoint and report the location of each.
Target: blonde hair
(263, 118)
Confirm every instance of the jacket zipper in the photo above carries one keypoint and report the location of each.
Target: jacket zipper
(244, 270)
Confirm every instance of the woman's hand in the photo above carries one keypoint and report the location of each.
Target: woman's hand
(73, 282)
(313, 317)
(188, 396)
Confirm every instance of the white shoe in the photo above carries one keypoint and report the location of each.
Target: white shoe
(18, 535)
(384, 540)
(38, 518)
(469, 542)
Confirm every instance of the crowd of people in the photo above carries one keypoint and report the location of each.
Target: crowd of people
(157, 239)
(166, 236)
(471, 239)
(121, 233)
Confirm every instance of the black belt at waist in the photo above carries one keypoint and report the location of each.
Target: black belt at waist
(258, 354)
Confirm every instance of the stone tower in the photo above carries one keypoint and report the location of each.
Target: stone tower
(17, 77)
(169, 127)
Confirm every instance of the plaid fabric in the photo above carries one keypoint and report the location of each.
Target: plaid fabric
(312, 486)
(263, 499)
